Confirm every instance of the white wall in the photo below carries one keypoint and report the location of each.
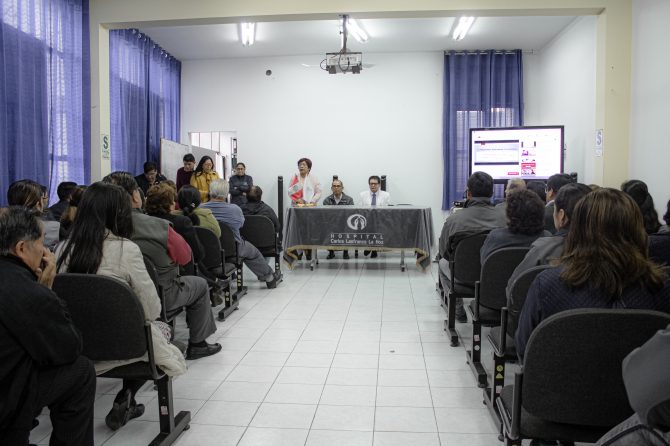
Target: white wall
(650, 147)
(560, 88)
(385, 121)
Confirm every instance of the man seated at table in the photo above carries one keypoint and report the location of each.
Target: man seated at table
(338, 198)
(374, 197)
(231, 215)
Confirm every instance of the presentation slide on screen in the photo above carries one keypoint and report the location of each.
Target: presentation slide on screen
(528, 153)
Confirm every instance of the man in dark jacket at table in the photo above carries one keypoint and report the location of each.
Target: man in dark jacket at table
(339, 198)
(40, 350)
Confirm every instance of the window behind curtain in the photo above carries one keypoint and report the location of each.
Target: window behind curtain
(481, 89)
(145, 83)
(44, 92)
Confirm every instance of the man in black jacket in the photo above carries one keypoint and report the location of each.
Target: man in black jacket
(255, 206)
(40, 350)
(338, 198)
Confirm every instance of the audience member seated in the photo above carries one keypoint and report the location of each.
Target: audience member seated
(554, 184)
(189, 206)
(99, 244)
(168, 250)
(513, 185)
(184, 173)
(255, 206)
(204, 174)
(149, 177)
(338, 198)
(547, 249)
(647, 381)
(478, 214)
(640, 193)
(67, 218)
(539, 187)
(604, 265)
(160, 203)
(40, 350)
(28, 193)
(64, 192)
(240, 184)
(231, 215)
(525, 223)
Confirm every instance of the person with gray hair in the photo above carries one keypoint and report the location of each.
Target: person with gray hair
(40, 349)
(231, 215)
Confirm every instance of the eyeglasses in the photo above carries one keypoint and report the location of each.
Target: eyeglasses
(336, 185)
(373, 184)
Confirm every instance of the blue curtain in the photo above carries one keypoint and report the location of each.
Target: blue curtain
(481, 89)
(145, 83)
(44, 93)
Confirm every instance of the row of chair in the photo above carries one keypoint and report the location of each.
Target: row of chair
(112, 322)
(558, 394)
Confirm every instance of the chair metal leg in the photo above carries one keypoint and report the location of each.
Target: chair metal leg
(450, 323)
(474, 355)
(171, 426)
(492, 393)
(240, 290)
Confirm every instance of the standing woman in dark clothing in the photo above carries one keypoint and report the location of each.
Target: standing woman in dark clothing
(604, 265)
(240, 184)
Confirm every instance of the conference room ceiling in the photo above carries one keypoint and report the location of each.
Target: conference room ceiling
(289, 38)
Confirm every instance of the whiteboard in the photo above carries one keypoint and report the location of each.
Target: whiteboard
(172, 157)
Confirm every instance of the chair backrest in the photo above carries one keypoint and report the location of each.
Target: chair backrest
(260, 232)
(495, 273)
(107, 313)
(228, 242)
(211, 247)
(153, 274)
(466, 260)
(572, 365)
(517, 296)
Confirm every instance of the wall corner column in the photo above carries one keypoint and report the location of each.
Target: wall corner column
(100, 115)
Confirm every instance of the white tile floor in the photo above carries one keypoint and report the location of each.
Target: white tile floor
(352, 353)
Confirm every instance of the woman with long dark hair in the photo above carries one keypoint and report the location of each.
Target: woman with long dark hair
(203, 175)
(639, 191)
(99, 244)
(189, 206)
(67, 218)
(604, 265)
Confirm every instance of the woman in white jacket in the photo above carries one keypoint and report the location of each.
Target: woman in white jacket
(99, 244)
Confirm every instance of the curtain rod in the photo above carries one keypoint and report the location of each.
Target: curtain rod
(471, 52)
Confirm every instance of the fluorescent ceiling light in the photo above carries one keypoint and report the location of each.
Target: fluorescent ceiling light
(462, 28)
(355, 30)
(247, 33)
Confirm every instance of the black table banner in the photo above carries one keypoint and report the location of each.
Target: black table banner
(375, 228)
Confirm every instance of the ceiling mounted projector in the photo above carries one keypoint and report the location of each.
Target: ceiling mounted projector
(345, 61)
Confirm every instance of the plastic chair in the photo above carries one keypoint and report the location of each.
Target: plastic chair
(112, 323)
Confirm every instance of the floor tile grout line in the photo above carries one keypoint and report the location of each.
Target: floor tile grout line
(246, 428)
(339, 270)
(423, 354)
